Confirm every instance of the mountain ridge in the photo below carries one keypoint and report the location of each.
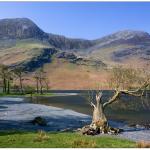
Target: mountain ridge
(70, 63)
(115, 47)
(23, 28)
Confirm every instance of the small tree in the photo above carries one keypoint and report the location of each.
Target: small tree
(46, 81)
(6, 77)
(40, 78)
(19, 72)
(36, 77)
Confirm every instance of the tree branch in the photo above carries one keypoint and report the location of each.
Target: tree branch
(113, 99)
(93, 104)
(98, 96)
(133, 93)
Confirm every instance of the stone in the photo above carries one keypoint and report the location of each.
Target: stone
(39, 121)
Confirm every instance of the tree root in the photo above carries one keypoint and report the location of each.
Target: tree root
(95, 130)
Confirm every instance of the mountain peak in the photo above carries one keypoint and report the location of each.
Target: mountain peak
(124, 36)
(19, 28)
(128, 34)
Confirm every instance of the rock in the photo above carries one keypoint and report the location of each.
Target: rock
(65, 130)
(39, 121)
(77, 130)
(132, 125)
(85, 129)
(66, 55)
(147, 126)
(19, 28)
(121, 130)
(138, 126)
(115, 130)
(93, 129)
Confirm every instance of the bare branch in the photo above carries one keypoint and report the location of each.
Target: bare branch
(90, 96)
(93, 105)
(143, 87)
(133, 93)
(113, 99)
(98, 96)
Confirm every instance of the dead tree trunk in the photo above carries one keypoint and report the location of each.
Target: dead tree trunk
(99, 118)
(99, 121)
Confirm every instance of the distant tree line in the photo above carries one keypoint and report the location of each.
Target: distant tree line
(12, 80)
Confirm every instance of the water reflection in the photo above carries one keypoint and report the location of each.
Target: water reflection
(128, 109)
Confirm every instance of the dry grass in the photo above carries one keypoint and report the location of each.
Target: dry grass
(84, 144)
(105, 53)
(143, 144)
(22, 51)
(69, 76)
(64, 75)
(59, 140)
(41, 136)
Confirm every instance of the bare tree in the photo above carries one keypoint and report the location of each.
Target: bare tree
(36, 77)
(46, 81)
(6, 76)
(40, 77)
(123, 80)
(18, 71)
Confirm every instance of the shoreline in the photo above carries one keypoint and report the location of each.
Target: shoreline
(17, 114)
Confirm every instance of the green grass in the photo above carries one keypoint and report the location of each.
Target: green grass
(11, 94)
(26, 95)
(37, 94)
(59, 140)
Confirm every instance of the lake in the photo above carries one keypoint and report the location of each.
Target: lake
(129, 109)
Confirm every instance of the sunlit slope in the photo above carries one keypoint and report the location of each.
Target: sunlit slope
(121, 54)
(121, 47)
(23, 52)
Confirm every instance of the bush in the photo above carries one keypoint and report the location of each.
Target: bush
(42, 136)
(84, 144)
(143, 144)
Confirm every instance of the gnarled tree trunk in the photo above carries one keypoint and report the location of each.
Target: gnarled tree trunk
(99, 118)
(99, 121)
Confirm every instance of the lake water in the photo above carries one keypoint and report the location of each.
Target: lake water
(129, 109)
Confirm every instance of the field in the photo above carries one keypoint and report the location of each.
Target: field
(56, 140)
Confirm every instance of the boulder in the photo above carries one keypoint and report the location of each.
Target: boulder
(39, 121)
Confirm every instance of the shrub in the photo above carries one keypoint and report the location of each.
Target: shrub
(42, 136)
(143, 144)
(84, 144)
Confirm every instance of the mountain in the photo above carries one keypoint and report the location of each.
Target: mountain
(70, 63)
(125, 36)
(19, 28)
(64, 43)
(122, 47)
(24, 28)
(117, 47)
(23, 43)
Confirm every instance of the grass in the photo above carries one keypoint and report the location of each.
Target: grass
(37, 94)
(143, 144)
(26, 95)
(67, 76)
(42, 139)
(11, 94)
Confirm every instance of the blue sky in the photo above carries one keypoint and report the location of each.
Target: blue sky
(88, 20)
